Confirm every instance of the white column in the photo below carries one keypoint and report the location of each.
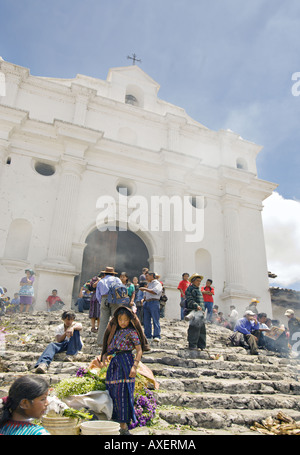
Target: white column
(234, 265)
(83, 96)
(63, 221)
(3, 157)
(174, 125)
(174, 239)
(57, 271)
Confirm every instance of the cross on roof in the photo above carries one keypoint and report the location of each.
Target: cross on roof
(134, 59)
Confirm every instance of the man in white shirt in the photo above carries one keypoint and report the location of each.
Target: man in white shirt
(67, 339)
(106, 310)
(233, 316)
(151, 306)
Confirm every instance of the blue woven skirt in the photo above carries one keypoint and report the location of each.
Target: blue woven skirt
(121, 387)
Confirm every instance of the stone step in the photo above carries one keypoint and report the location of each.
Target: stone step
(227, 401)
(219, 372)
(228, 386)
(217, 418)
(202, 360)
(197, 388)
(172, 367)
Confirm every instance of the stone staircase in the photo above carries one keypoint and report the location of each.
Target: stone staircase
(221, 390)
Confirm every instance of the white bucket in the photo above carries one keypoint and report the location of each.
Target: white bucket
(106, 427)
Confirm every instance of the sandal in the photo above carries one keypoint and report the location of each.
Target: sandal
(124, 431)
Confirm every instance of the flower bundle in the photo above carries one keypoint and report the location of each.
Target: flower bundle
(145, 407)
(84, 382)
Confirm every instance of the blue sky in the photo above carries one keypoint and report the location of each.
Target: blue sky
(228, 63)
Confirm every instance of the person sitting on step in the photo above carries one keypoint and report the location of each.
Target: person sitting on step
(67, 339)
(246, 332)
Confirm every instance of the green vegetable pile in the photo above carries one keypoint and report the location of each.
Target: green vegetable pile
(78, 386)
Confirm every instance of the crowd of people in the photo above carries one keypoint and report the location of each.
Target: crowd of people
(140, 291)
(24, 299)
(126, 317)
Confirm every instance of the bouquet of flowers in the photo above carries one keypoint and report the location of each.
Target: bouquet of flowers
(145, 407)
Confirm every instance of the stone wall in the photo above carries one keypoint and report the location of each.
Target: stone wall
(283, 299)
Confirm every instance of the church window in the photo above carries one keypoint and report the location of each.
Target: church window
(44, 168)
(125, 188)
(199, 202)
(134, 95)
(131, 99)
(241, 164)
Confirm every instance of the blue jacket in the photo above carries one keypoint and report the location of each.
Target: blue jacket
(244, 326)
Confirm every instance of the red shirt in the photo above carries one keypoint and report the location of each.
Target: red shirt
(206, 297)
(52, 299)
(183, 285)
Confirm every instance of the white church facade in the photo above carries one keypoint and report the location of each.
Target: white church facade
(69, 148)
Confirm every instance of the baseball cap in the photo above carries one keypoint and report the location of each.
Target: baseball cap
(249, 313)
(289, 312)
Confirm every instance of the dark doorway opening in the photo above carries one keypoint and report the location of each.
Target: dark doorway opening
(123, 250)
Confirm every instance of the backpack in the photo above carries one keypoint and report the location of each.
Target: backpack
(163, 299)
(186, 310)
(118, 293)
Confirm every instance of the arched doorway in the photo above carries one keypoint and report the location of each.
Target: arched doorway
(203, 263)
(123, 250)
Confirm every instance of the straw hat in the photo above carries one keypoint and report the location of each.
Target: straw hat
(195, 276)
(109, 270)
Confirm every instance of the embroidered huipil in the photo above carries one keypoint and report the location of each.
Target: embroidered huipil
(13, 427)
(118, 382)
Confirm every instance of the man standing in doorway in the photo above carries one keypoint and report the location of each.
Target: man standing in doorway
(106, 309)
(151, 306)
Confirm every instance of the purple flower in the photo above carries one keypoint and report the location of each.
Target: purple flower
(81, 372)
(145, 406)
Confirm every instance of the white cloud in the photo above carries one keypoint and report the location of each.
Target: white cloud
(281, 220)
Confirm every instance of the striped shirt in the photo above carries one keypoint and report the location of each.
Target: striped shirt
(14, 427)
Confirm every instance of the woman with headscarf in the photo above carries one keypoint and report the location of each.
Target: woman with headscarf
(26, 292)
(124, 334)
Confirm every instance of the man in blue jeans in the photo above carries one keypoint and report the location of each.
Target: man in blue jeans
(151, 306)
(67, 339)
(84, 300)
(208, 292)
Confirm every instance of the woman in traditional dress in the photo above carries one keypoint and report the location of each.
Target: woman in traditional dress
(124, 333)
(130, 288)
(26, 400)
(26, 292)
(94, 310)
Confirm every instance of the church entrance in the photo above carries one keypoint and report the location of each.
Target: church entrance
(123, 250)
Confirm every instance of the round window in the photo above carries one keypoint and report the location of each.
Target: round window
(125, 188)
(44, 169)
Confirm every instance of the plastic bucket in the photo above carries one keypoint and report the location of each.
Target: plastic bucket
(106, 427)
(61, 425)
